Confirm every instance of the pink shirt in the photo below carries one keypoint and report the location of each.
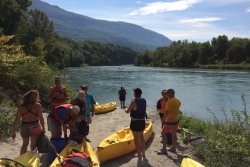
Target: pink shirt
(163, 105)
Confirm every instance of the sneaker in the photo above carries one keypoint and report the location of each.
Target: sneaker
(162, 152)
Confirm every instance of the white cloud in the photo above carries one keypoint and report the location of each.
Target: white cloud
(139, 2)
(158, 7)
(248, 9)
(200, 20)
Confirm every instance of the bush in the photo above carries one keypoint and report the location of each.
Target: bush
(7, 116)
(228, 140)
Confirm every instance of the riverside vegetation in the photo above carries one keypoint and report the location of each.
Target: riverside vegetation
(227, 140)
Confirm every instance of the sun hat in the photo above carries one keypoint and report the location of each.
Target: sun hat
(137, 91)
(170, 90)
(75, 109)
(81, 95)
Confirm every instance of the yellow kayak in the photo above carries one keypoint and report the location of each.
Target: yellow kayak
(83, 147)
(24, 160)
(102, 108)
(188, 162)
(120, 143)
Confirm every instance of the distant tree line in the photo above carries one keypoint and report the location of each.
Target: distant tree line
(185, 54)
(35, 32)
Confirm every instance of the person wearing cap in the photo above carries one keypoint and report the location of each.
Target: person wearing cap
(80, 101)
(90, 108)
(58, 93)
(62, 116)
(122, 96)
(171, 121)
(137, 110)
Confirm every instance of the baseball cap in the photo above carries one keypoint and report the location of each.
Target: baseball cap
(81, 95)
(137, 91)
(170, 90)
(83, 86)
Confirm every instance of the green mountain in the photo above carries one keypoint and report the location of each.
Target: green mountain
(80, 27)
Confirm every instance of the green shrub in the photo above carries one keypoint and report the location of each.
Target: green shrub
(228, 139)
(7, 116)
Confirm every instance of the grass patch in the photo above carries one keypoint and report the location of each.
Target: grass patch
(228, 139)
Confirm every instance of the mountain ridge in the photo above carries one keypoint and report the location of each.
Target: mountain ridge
(80, 27)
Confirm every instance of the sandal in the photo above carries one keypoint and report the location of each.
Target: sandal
(173, 150)
(88, 140)
(137, 155)
(162, 152)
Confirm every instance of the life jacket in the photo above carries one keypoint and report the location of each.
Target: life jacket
(61, 92)
(56, 118)
(158, 104)
(140, 111)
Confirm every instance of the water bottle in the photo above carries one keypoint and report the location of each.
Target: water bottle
(34, 152)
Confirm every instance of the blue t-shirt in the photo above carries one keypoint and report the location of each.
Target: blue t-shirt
(90, 100)
(61, 112)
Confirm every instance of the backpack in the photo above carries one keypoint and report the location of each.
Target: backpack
(76, 136)
(43, 144)
(78, 159)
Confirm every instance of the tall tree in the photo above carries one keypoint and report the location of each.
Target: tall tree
(12, 11)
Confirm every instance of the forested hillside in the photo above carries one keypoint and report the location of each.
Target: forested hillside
(219, 52)
(80, 27)
(33, 30)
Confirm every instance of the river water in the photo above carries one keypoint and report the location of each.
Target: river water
(197, 89)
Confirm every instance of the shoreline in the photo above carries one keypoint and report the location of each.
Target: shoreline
(104, 125)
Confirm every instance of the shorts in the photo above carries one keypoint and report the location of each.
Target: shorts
(89, 120)
(170, 128)
(122, 98)
(52, 126)
(138, 125)
(30, 130)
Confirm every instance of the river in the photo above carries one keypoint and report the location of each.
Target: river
(197, 89)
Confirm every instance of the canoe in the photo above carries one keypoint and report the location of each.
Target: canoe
(188, 162)
(24, 160)
(83, 147)
(120, 143)
(102, 108)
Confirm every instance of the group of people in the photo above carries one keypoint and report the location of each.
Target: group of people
(62, 117)
(168, 107)
(68, 116)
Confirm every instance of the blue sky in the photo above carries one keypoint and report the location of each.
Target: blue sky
(195, 20)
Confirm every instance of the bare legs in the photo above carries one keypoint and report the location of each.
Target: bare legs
(122, 104)
(24, 146)
(139, 143)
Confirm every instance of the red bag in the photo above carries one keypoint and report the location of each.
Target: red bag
(78, 159)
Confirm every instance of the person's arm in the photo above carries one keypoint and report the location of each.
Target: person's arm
(66, 96)
(131, 106)
(52, 94)
(73, 101)
(40, 116)
(18, 116)
(92, 106)
(84, 110)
